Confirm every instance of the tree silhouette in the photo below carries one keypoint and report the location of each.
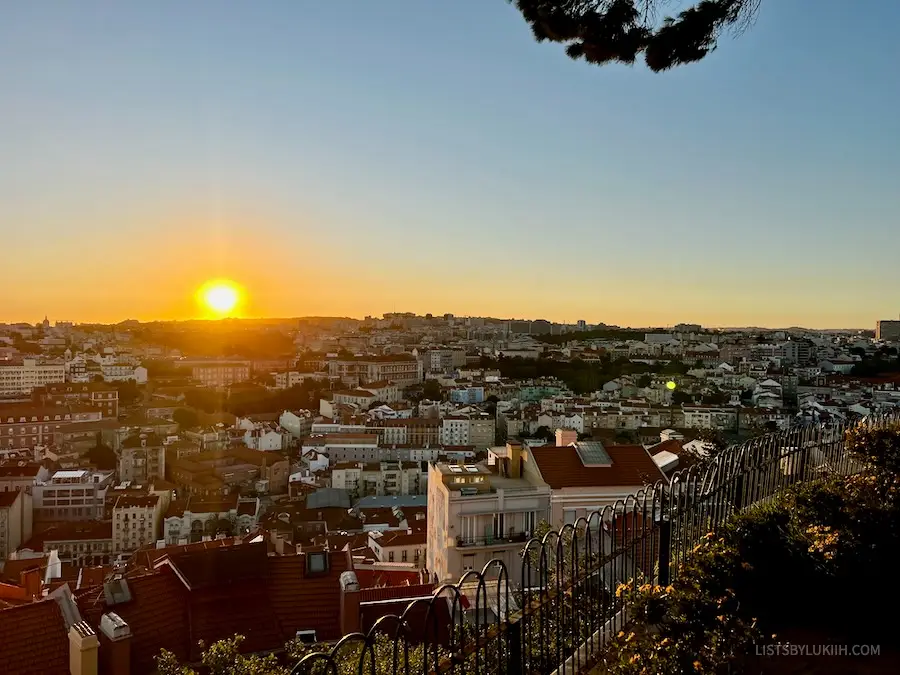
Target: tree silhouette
(608, 31)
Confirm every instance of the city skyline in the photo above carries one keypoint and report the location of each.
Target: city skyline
(339, 159)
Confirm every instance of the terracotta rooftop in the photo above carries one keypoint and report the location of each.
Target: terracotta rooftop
(34, 640)
(561, 467)
(7, 499)
(81, 530)
(203, 568)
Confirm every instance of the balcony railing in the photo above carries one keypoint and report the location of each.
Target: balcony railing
(511, 537)
(563, 611)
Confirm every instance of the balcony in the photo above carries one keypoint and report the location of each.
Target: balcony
(511, 537)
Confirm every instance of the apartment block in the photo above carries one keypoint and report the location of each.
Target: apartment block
(220, 374)
(478, 513)
(71, 495)
(22, 377)
(27, 426)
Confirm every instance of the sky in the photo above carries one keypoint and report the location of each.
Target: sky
(352, 158)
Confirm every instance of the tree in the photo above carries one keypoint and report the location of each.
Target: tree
(128, 392)
(432, 390)
(187, 418)
(644, 380)
(223, 658)
(610, 31)
(103, 457)
(544, 433)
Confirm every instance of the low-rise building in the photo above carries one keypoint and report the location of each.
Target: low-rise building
(28, 426)
(71, 495)
(15, 521)
(478, 513)
(219, 374)
(399, 547)
(194, 519)
(86, 543)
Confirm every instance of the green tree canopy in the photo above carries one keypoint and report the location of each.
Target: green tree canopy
(187, 418)
(608, 31)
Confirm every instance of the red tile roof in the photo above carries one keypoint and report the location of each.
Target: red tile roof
(379, 578)
(7, 499)
(34, 640)
(204, 568)
(77, 530)
(561, 467)
(302, 602)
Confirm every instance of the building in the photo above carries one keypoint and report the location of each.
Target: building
(887, 330)
(401, 369)
(22, 377)
(478, 513)
(379, 478)
(142, 459)
(710, 417)
(298, 423)
(220, 374)
(15, 521)
(27, 426)
(361, 398)
(21, 475)
(99, 395)
(467, 395)
(214, 473)
(71, 495)
(136, 522)
(85, 543)
(385, 391)
(399, 547)
(347, 447)
(195, 519)
(584, 477)
(477, 429)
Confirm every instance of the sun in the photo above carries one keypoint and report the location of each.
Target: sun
(219, 296)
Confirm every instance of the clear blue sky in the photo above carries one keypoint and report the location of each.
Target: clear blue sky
(339, 157)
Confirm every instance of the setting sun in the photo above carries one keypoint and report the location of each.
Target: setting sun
(220, 297)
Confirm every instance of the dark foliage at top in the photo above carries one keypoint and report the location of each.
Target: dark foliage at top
(606, 31)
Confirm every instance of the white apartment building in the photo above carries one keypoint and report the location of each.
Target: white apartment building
(709, 417)
(379, 478)
(347, 447)
(22, 377)
(402, 370)
(71, 495)
(298, 423)
(476, 514)
(136, 522)
(476, 429)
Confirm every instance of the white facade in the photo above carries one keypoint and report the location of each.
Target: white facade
(22, 378)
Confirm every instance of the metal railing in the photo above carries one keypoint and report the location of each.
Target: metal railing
(563, 608)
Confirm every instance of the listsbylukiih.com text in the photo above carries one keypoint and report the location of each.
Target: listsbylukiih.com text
(789, 649)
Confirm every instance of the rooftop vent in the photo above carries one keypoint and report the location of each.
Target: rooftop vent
(116, 592)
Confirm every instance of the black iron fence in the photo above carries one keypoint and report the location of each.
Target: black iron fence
(561, 614)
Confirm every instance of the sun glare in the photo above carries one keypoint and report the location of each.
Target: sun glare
(220, 297)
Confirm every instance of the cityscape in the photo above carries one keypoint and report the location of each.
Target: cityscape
(508, 337)
(407, 450)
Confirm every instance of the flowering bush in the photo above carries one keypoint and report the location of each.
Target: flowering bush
(692, 625)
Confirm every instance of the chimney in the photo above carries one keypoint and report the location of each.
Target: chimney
(115, 645)
(514, 457)
(350, 622)
(30, 580)
(565, 437)
(83, 649)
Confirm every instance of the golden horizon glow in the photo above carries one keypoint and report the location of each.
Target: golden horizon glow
(220, 297)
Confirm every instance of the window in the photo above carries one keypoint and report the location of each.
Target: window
(390, 556)
(404, 555)
(317, 562)
(468, 563)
